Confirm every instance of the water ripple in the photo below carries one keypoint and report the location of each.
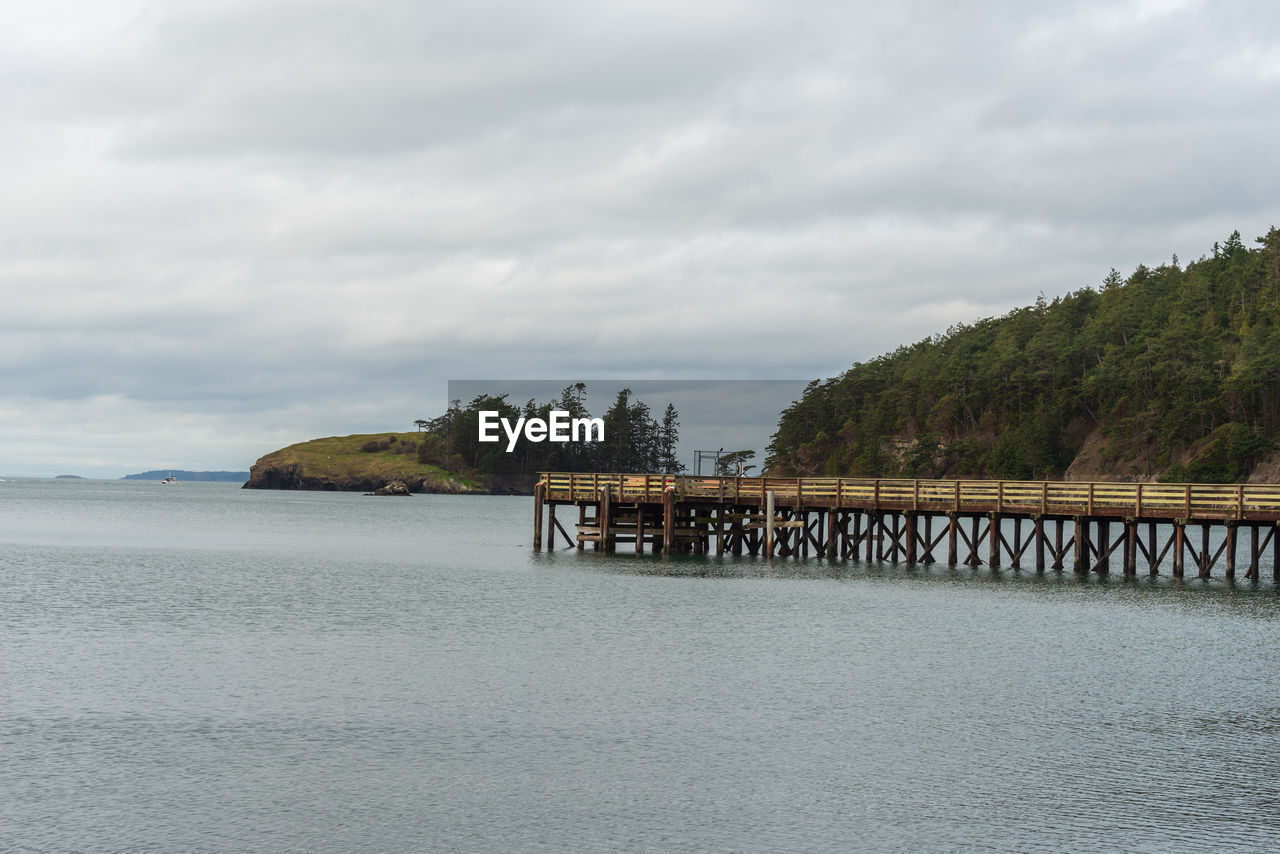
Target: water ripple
(261, 672)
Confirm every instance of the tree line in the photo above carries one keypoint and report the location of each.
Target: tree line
(634, 439)
(1176, 369)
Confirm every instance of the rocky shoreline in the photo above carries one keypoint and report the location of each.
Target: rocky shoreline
(293, 476)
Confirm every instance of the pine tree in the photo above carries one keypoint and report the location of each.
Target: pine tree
(668, 440)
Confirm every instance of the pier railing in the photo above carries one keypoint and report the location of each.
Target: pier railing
(1256, 502)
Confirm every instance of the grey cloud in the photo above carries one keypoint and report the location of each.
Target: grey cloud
(307, 217)
(344, 80)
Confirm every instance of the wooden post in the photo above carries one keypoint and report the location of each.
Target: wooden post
(1231, 550)
(539, 490)
(582, 520)
(1039, 533)
(668, 520)
(737, 541)
(1153, 569)
(952, 522)
(928, 538)
(1130, 548)
(831, 534)
(1081, 544)
(768, 523)
(1204, 550)
(640, 526)
(700, 544)
(909, 531)
(606, 520)
(872, 518)
(803, 551)
(993, 532)
(551, 526)
(1179, 533)
(1057, 549)
(1252, 574)
(879, 531)
(1275, 555)
(1016, 561)
(1103, 566)
(975, 547)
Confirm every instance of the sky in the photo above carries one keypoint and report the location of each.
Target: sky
(227, 227)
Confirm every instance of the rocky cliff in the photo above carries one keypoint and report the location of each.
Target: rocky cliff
(359, 463)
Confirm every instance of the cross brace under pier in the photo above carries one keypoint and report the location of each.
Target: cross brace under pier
(1082, 543)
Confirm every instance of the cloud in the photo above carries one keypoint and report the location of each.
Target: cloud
(287, 220)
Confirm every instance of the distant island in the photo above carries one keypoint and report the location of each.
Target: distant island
(445, 454)
(206, 476)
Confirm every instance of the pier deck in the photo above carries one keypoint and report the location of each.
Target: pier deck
(908, 520)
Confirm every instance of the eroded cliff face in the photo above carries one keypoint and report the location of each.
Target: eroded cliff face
(1096, 461)
(347, 464)
(293, 476)
(1267, 471)
(274, 477)
(364, 463)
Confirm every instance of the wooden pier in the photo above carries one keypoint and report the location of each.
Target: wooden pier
(1056, 525)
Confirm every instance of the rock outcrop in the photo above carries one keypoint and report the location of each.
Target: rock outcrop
(393, 487)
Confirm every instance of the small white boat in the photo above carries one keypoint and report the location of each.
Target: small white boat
(169, 480)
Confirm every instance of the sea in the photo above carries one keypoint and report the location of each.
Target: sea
(200, 668)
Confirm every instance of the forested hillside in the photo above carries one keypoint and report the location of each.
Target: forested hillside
(1172, 373)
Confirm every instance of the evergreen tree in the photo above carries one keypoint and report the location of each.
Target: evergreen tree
(668, 438)
(634, 442)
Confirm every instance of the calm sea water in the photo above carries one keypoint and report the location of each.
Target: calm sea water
(201, 668)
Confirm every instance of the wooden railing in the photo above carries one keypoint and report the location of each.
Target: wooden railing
(1133, 500)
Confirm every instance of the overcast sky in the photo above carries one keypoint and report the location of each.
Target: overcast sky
(230, 226)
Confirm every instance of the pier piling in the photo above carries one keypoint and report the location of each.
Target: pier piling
(894, 520)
